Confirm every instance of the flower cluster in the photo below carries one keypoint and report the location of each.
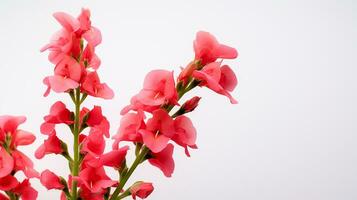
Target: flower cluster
(12, 160)
(72, 51)
(147, 121)
(154, 122)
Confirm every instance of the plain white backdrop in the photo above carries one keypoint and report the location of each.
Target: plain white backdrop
(292, 135)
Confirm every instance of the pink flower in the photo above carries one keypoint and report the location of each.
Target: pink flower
(61, 45)
(58, 114)
(130, 124)
(141, 189)
(219, 79)
(50, 180)
(159, 130)
(94, 179)
(191, 104)
(90, 59)
(9, 124)
(207, 49)
(8, 182)
(68, 22)
(94, 87)
(94, 143)
(6, 162)
(163, 160)
(84, 20)
(51, 145)
(24, 163)
(25, 190)
(114, 158)
(97, 121)
(158, 89)
(186, 72)
(67, 76)
(185, 135)
(22, 138)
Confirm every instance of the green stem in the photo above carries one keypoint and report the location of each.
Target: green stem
(126, 177)
(76, 163)
(192, 84)
(124, 194)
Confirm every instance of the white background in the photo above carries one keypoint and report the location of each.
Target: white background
(292, 135)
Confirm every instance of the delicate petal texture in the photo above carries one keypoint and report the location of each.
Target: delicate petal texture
(58, 114)
(130, 124)
(93, 87)
(114, 158)
(50, 180)
(61, 84)
(191, 104)
(51, 145)
(67, 21)
(161, 121)
(94, 143)
(6, 163)
(210, 77)
(9, 124)
(24, 163)
(141, 189)
(155, 143)
(26, 191)
(207, 49)
(68, 67)
(164, 161)
(23, 138)
(93, 36)
(8, 182)
(228, 78)
(95, 179)
(185, 133)
(84, 19)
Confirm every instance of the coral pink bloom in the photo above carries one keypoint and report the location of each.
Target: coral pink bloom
(60, 45)
(207, 49)
(58, 114)
(93, 36)
(90, 59)
(84, 20)
(185, 133)
(8, 182)
(6, 162)
(141, 189)
(50, 180)
(97, 121)
(130, 124)
(159, 130)
(95, 179)
(94, 143)
(186, 72)
(68, 22)
(51, 145)
(159, 88)
(191, 104)
(164, 161)
(24, 163)
(212, 77)
(9, 124)
(67, 75)
(25, 190)
(22, 138)
(93, 87)
(114, 158)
